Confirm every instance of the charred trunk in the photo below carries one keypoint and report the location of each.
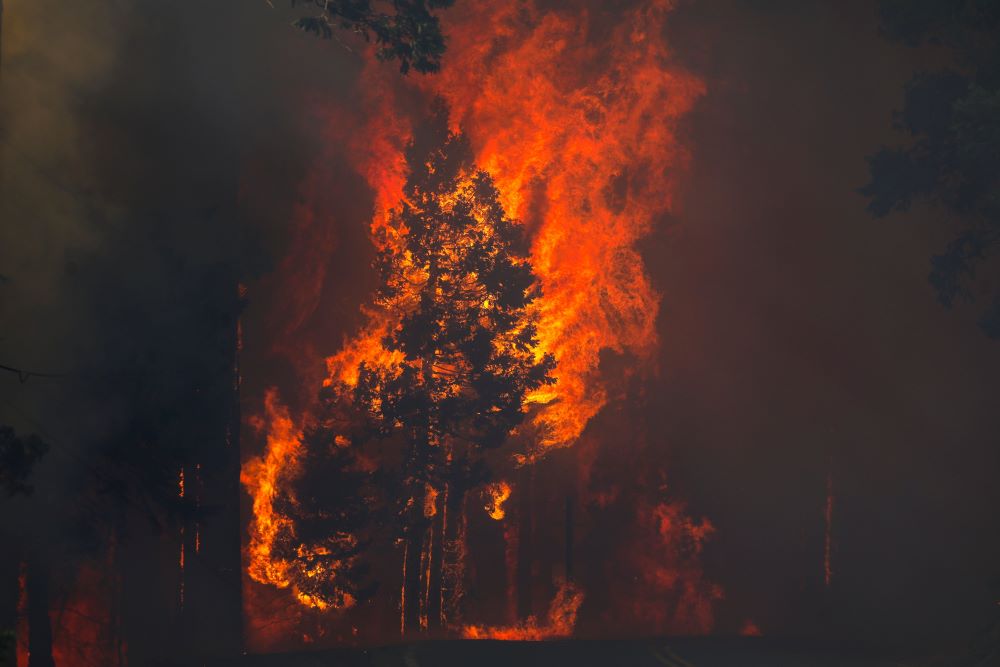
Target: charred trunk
(414, 537)
(453, 560)
(434, 567)
(411, 581)
(9, 593)
(525, 544)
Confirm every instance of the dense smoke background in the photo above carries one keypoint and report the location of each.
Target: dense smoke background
(153, 156)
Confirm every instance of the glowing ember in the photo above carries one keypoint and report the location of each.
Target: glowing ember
(559, 622)
(263, 479)
(498, 493)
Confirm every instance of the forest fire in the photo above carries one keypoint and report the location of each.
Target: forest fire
(583, 158)
(439, 332)
(498, 493)
(559, 622)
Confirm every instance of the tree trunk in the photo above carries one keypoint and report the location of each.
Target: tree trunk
(9, 593)
(453, 560)
(525, 546)
(569, 538)
(411, 580)
(415, 579)
(435, 569)
(39, 623)
(414, 536)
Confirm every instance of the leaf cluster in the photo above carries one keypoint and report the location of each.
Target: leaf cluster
(461, 276)
(404, 30)
(332, 502)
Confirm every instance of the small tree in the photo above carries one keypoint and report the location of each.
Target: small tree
(332, 503)
(459, 275)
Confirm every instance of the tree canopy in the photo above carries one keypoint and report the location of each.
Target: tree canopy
(18, 456)
(456, 277)
(461, 276)
(403, 30)
(952, 117)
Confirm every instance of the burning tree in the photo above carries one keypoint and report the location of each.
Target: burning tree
(456, 269)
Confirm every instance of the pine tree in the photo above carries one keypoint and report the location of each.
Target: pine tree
(334, 502)
(459, 274)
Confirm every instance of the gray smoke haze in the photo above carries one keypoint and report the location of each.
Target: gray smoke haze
(149, 156)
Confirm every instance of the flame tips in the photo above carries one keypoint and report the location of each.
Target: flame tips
(497, 494)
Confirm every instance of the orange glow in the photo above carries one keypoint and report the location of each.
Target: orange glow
(559, 622)
(750, 629)
(83, 632)
(574, 114)
(276, 555)
(430, 501)
(672, 595)
(581, 141)
(263, 477)
(498, 494)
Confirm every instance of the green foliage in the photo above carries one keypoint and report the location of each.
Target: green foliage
(953, 119)
(409, 33)
(17, 458)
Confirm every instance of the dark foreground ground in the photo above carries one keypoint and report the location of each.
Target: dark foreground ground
(714, 652)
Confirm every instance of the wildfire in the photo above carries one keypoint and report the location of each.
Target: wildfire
(559, 622)
(574, 114)
(263, 478)
(578, 130)
(498, 493)
(672, 595)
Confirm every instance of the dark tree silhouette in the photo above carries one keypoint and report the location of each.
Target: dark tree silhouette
(409, 33)
(17, 457)
(953, 119)
(460, 275)
(6, 647)
(952, 161)
(335, 503)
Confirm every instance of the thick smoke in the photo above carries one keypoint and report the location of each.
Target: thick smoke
(150, 153)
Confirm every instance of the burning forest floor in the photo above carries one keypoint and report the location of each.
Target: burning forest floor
(678, 652)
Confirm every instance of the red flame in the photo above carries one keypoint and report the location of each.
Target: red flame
(559, 622)
(575, 115)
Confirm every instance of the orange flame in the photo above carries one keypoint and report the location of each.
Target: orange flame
(580, 137)
(575, 115)
(263, 477)
(498, 493)
(559, 623)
